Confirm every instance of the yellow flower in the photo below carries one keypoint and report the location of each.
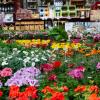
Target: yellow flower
(55, 46)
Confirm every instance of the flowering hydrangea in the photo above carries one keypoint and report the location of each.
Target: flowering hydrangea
(24, 76)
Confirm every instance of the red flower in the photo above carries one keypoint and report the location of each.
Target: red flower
(56, 64)
(80, 89)
(1, 93)
(14, 91)
(55, 84)
(94, 89)
(47, 67)
(22, 98)
(53, 77)
(57, 96)
(22, 94)
(65, 88)
(31, 91)
(34, 94)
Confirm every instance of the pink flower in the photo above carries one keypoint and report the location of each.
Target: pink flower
(76, 40)
(53, 77)
(98, 65)
(6, 72)
(47, 67)
(81, 68)
(77, 72)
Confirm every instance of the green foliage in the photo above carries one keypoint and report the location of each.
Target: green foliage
(58, 33)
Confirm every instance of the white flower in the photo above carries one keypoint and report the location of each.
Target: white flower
(18, 51)
(32, 52)
(48, 51)
(40, 53)
(43, 58)
(32, 55)
(33, 64)
(3, 53)
(15, 49)
(5, 59)
(89, 77)
(19, 58)
(26, 59)
(37, 56)
(37, 60)
(9, 57)
(4, 63)
(25, 52)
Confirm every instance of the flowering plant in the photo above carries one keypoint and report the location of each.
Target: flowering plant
(24, 76)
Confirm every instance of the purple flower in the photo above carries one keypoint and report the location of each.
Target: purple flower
(98, 65)
(24, 76)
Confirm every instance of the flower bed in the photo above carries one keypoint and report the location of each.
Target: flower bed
(59, 70)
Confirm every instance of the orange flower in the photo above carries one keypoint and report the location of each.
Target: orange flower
(80, 89)
(98, 51)
(58, 96)
(94, 51)
(69, 53)
(93, 97)
(81, 50)
(48, 89)
(88, 54)
(94, 89)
